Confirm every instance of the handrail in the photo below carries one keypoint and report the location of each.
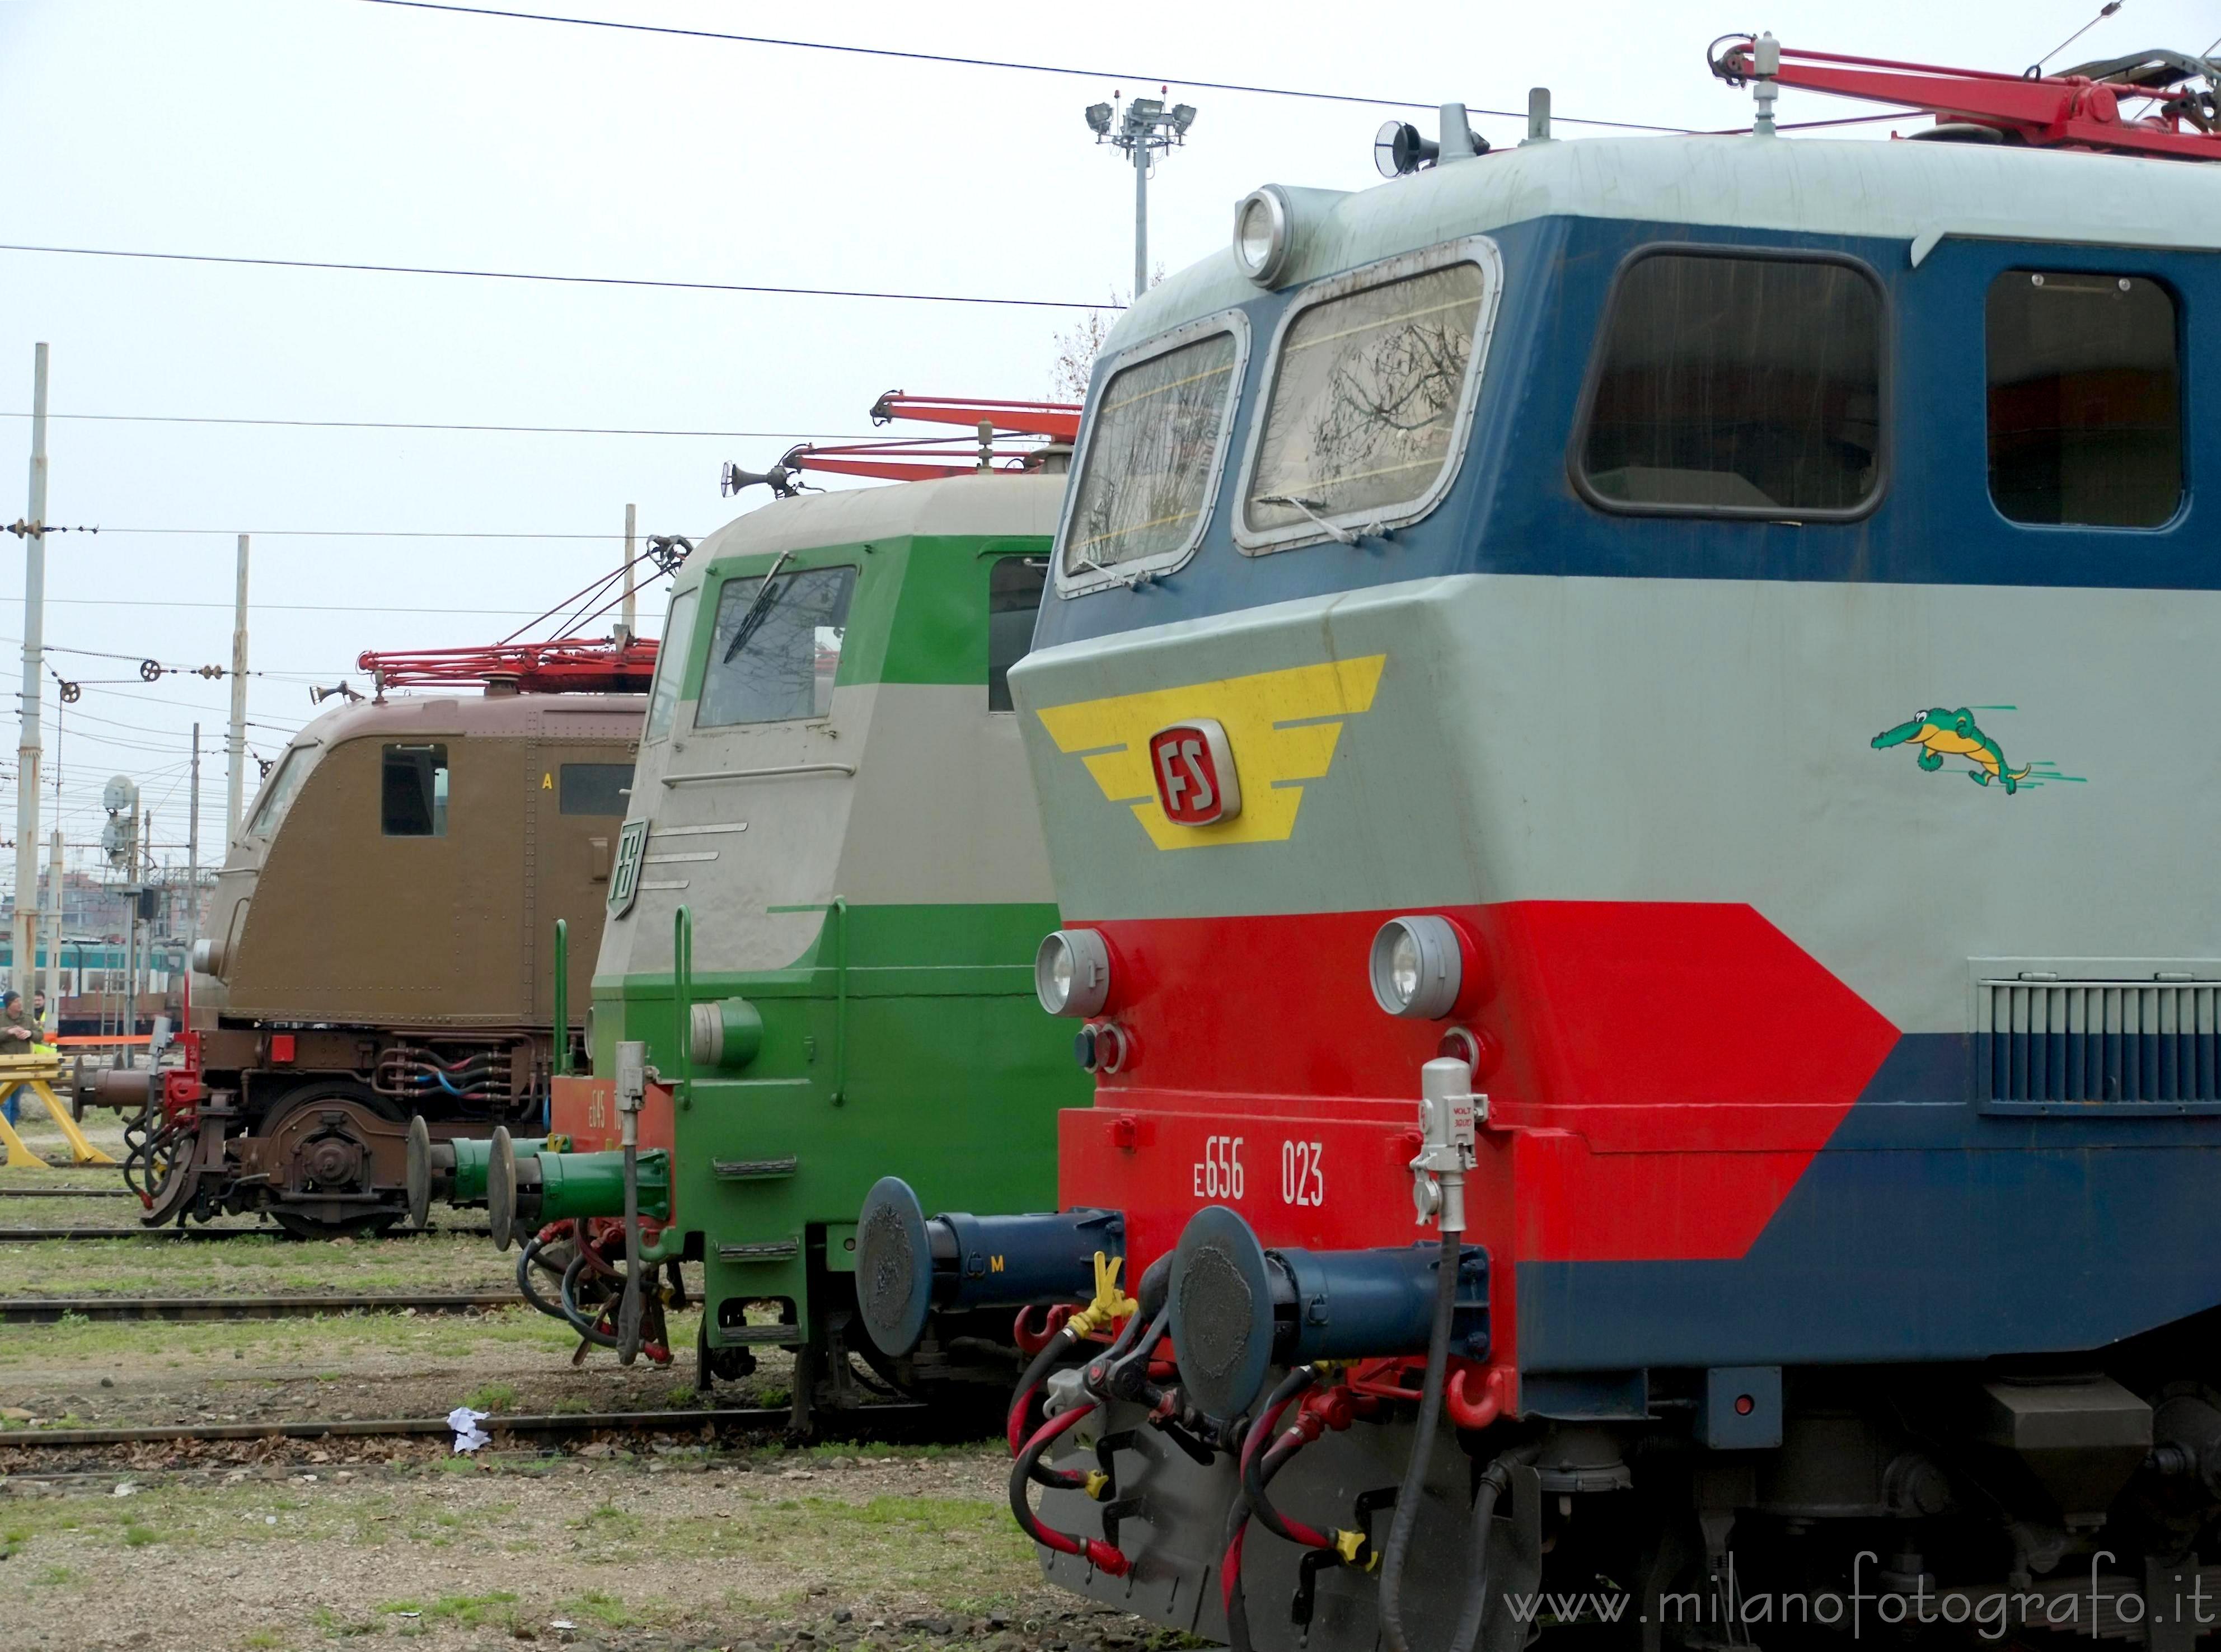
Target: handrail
(682, 994)
(762, 773)
(841, 1003)
(561, 1063)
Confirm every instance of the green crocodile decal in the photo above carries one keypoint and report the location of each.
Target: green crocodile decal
(1939, 732)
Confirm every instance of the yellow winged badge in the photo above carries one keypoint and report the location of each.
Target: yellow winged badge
(1282, 725)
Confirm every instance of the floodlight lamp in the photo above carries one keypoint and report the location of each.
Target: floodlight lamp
(1099, 119)
(1183, 118)
(1144, 110)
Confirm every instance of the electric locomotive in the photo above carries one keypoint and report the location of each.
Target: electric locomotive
(1652, 1014)
(378, 949)
(826, 896)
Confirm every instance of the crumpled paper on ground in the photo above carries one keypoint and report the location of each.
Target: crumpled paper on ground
(469, 1437)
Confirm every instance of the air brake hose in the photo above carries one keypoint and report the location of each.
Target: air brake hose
(579, 1322)
(1109, 1302)
(527, 1259)
(1493, 1481)
(1258, 1465)
(1406, 1519)
(1238, 1513)
(1103, 1556)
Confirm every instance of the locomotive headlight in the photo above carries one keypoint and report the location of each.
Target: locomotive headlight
(1071, 973)
(1417, 966)
(1263, 238)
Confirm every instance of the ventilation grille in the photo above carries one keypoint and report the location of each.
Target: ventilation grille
(2115, 1043)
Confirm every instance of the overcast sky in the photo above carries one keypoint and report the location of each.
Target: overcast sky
(347, 130)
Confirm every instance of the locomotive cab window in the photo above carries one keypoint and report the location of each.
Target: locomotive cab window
(1151, 461)
(595, 789)
(671, 663)
(1372, 387)
(413, 791)
(774, 654)
(278, 791)
(1730, 385)
(1014, 595)
(2085, 405)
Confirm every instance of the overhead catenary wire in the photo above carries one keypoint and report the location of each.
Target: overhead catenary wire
(559, 279)
(953, 60)
(419, 424)
(341, 533)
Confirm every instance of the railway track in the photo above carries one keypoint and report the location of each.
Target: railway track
(23, 1236)
(568, 1423)
(66, 1192)
(47, 1310)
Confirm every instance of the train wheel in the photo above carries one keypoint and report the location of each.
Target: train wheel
(326, 1135)
(716, 1365)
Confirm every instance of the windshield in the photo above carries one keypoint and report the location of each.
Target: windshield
(671, 663)
(774, 656)
(277, 791)
(1151, 453)
(1365, 399)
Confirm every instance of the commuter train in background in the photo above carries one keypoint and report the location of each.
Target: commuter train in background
(1624, 730)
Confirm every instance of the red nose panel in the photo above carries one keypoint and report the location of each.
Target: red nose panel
(1669, 1069)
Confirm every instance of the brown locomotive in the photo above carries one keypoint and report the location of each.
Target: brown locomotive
(381, 945)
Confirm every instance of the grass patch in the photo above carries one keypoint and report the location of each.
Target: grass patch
(609, 1523)
(493, 1398)
(497, 1607)
(607, 1609)
(138, 1536)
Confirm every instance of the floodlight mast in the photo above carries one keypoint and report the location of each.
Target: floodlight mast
(1146, 129)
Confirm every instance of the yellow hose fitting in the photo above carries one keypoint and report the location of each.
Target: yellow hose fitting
(1351, 1546)
(1110, 1304)
(1097, 1483)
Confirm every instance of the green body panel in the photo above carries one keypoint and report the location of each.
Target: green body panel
(949, 1076)
(878, 907)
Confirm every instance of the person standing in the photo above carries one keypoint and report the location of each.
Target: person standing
(18, 1032)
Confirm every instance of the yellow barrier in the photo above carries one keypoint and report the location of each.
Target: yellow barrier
(34, 1070)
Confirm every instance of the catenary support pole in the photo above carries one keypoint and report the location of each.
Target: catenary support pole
(235, 742)
(631, 619)
(193, 852)
(1141, 221)
(23, 975)
(53, 931)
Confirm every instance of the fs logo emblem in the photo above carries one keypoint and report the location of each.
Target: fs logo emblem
(1197, 783)
(624, 877)
(1175, 769)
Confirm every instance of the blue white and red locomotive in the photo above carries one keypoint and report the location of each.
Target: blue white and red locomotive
(1648, 704)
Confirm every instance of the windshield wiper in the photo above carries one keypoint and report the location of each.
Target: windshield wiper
(759, 610)
(1308, 508)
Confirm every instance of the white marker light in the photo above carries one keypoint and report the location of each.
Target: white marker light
(1264, 235)
(1071, 973)
(1418, 966)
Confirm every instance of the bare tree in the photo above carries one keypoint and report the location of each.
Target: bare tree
(1074, 364)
